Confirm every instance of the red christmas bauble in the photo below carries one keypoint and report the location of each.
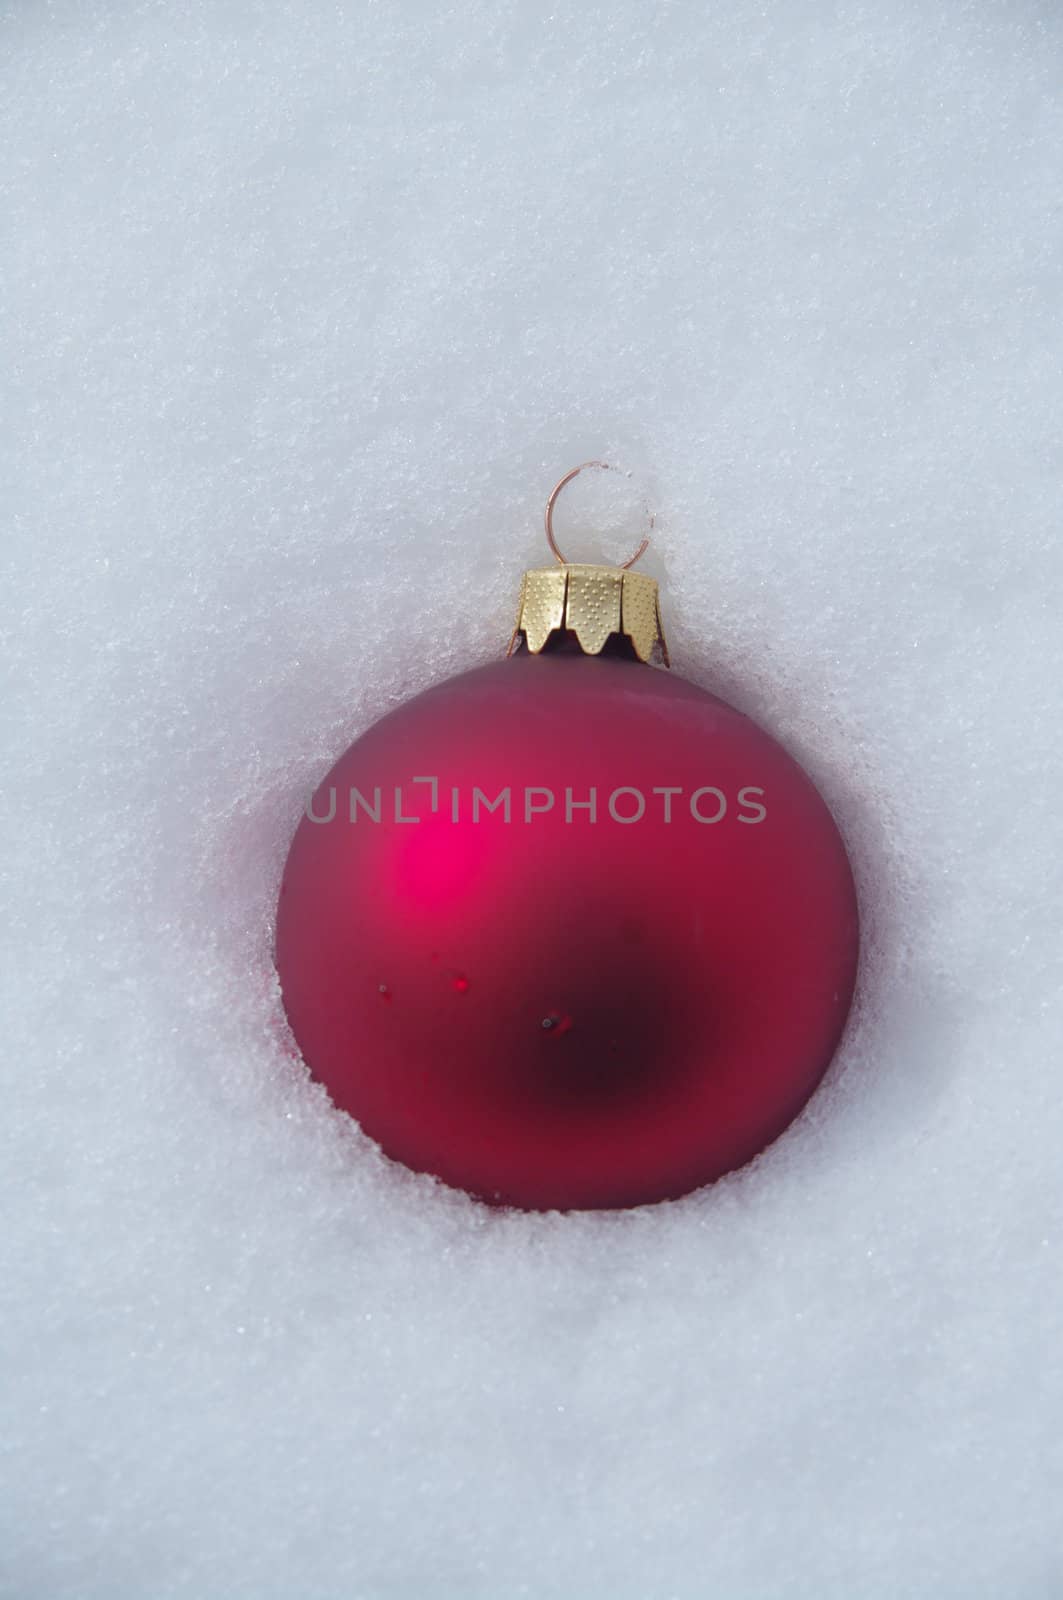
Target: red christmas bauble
(568, 931)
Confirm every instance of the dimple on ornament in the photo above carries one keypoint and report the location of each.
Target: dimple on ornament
(567, 931)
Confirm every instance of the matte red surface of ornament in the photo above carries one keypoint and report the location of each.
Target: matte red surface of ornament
(559, 1010)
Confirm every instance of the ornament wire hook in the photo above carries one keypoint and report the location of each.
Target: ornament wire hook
(604, 466)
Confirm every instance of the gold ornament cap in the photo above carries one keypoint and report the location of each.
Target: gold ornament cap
(592, 603)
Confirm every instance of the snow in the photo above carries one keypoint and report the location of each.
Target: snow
(307, 306)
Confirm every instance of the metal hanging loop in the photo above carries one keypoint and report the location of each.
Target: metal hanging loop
(604, 466)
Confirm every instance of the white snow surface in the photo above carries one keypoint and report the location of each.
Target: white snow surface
(306, 305)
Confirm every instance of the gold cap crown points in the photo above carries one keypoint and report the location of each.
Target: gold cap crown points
(592, 602)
